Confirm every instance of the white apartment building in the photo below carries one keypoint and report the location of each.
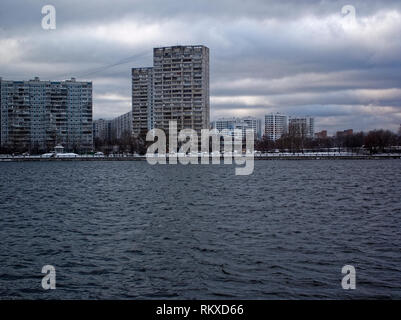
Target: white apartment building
(224, 123)
(255, 124)
(229, 124)
(276, 124)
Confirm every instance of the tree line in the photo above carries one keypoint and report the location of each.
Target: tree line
(375, 141)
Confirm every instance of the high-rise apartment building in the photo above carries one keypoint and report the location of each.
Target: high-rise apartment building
(176, 88)
(117, 128)
(301, 127)
(142, 100)
(102, 129)
(255, 124)
(121, 126)
(276, 124)
(181, 87)
(37, 115)
(225, 123)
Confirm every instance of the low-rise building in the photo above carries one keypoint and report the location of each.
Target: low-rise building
(321, 135)
(348, 132)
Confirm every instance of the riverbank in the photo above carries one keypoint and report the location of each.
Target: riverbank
(304, 156)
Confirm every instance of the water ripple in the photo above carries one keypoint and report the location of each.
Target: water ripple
(129, 230)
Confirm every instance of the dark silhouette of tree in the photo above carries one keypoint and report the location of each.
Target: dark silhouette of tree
(399, 136)
(377, 140)
(264, 144)
(354, 142)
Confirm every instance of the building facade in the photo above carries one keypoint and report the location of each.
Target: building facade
(142, 100)
(321, 135)
(36, 115)
(175, 88)
(224, 123)
(102, 129)
(121, 126)
(255, 124)
(229, 124)
(341, 134)
(301, 127)
(276, 124)
(181, 87)
(117, 128)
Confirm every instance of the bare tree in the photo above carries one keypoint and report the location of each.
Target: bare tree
(377, 140)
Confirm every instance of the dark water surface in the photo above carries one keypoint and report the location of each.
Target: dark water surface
(131, 230)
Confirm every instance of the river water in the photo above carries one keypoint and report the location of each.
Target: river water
(129, 230)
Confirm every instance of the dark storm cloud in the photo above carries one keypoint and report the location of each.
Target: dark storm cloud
(100, 11)
(296, 57)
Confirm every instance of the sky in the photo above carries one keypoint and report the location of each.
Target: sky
(298, 57)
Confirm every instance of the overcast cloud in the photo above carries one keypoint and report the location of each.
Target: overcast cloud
(296, 57)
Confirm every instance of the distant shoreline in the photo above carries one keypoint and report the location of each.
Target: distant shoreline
(256, 158)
